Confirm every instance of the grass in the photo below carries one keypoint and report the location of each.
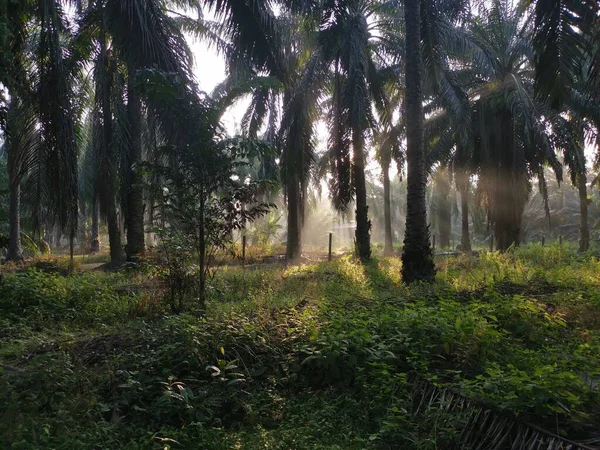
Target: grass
(315, 356)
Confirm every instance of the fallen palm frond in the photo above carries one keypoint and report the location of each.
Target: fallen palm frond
(489, 429)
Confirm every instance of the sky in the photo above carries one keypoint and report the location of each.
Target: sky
(209, 69)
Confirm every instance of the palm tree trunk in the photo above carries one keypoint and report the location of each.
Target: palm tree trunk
(95, 243)
(294, 231)
(15, 251)
(117, 254)
(81, 224)
(417, 259)
(363, 224)
(302, 203)
(388, 249)
(463, 187)
(444, 224)
(202, 259)
(109, 199)
(444, 211)
(508, 225)
(511, 183)
(584, 239)
(135, 194)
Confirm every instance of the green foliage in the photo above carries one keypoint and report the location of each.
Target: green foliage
(202, 199)
(39, 300)
(174, 258)
(265, 229)
(316, 356)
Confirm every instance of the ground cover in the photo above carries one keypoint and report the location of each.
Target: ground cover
(321, 355)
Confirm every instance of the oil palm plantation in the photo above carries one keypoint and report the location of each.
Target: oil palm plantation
(125, 39)
(40, 125)
(507, 139)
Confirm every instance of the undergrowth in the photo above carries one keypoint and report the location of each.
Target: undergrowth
(313, 356)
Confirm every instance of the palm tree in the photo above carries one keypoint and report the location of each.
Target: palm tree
(573, 133)
(450, 149)
(21, 139)
(105, 71)
(511, 140)
(131, 36)
(441, 40)
(567, 61)
(448, 130)
(284, 98)
(570, 135)
(348, 43)
(15, 123)
(145, 37)
(506, 138)
(41, 136)
(294, 136)
(388, 150)
(417, 258)
(297, 151)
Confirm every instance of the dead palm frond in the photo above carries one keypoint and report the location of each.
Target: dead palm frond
(485, 428)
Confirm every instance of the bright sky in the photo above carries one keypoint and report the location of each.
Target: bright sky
(209, 68)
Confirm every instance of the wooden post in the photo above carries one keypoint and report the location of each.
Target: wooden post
(560, 239)
(434, 242)
(543, 240)
(330, 242)
(243, 250)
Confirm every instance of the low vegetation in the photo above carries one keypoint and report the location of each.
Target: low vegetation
(322, 355)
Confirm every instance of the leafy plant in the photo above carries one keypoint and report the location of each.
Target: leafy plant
(202, 199)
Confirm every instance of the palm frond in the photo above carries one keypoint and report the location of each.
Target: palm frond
(147, 37)
(562, 28)
(250, 26)
(484, 427)
(57, 116)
